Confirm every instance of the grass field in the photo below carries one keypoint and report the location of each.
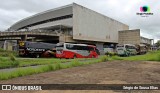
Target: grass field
(150, 56)
(11, 61)
(45, 68)
(51, 64)
(6, 53)
(8, 62)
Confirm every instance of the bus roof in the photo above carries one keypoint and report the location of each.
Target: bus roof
(125, 44)
(76, 44)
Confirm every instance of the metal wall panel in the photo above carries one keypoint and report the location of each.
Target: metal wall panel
(53, 13)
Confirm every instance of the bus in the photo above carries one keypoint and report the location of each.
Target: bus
(69, 50)
(36, 49)
(141, 49)
(126, 50)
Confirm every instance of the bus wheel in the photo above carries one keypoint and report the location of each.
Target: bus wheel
(74, 57)
(37, 56)
(126, 54)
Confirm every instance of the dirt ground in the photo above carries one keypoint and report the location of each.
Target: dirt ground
(114, 72)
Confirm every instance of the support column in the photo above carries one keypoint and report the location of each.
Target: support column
(100, 48)
(33, 39)
(24, 38)
(62, 38)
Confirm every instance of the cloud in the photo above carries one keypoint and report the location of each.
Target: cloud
(121, 10)
(9, 17)
(126, 10)
(32, 5)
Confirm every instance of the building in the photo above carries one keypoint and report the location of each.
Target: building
(133, 37)
(74, 23)
(146, 41)
(9, 45)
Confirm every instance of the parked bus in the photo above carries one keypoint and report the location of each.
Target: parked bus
(141, 49)
(36, 49)
(126, 50)
(68, 50)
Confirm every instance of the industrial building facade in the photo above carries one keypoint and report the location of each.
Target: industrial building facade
(133, 37)
(74, 23)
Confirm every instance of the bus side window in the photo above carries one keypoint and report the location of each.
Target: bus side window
(72, 47)
(90, 48)
(78, 47)
(84, 48)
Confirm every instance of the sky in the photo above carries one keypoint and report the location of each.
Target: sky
(124, 11)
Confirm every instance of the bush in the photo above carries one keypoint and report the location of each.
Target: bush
(14, 62)
(110, 54)
(2, 50)
(103, 59)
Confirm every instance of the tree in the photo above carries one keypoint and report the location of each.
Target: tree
(158, 43)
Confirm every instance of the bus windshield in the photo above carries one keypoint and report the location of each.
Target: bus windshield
(120, 47)
(60, 45)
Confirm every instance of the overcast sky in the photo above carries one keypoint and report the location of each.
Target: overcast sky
(124, 11)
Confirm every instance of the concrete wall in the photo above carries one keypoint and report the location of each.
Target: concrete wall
(129, 37)
(10, 45)
(145, 40)
(90, 25)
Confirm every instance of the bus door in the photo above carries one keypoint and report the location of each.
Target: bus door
(59, 50)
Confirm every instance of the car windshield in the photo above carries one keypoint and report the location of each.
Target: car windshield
(120, 46)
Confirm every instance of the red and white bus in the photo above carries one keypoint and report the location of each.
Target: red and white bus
(68, 50)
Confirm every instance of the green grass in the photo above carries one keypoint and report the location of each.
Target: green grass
(40, 61)
(6, 53)
(150, 56)
(9, 59)
(52, 67)
(56, 64)
(103, 58)
(10, 62)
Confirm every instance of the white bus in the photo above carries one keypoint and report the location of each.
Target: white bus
(126, 50)
(69, 50)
